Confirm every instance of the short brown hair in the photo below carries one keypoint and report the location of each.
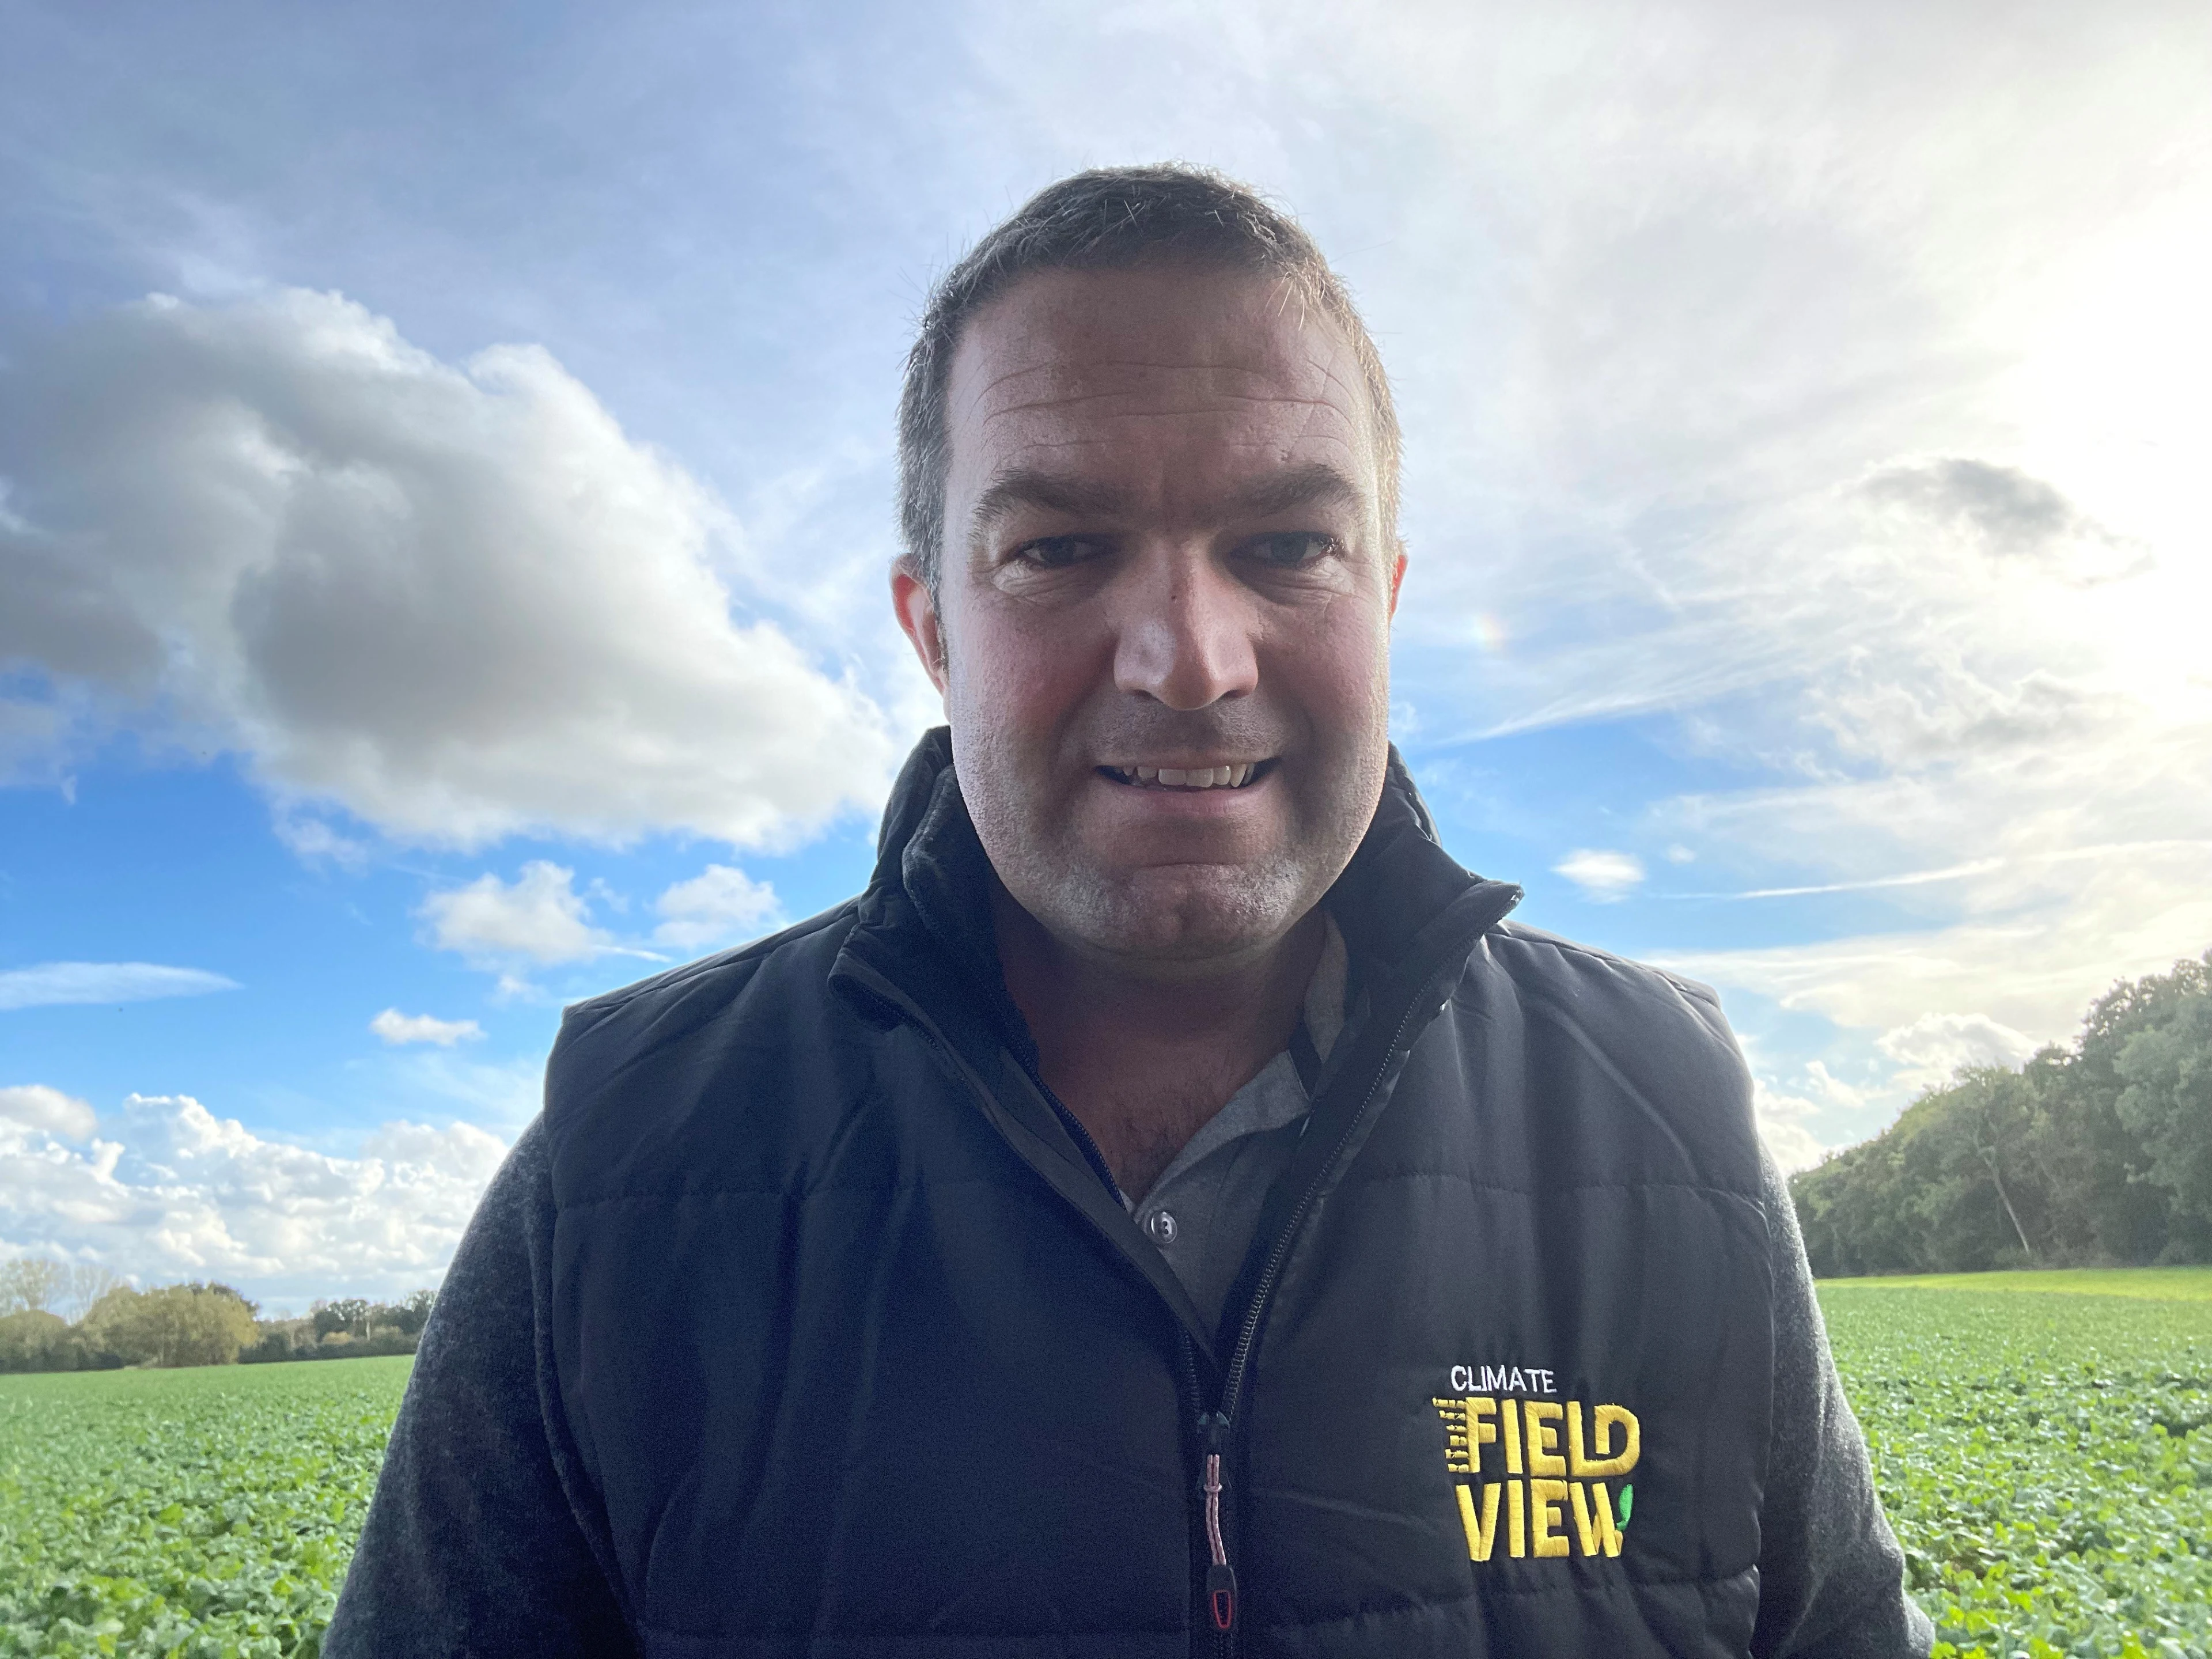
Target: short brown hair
(1107, 219)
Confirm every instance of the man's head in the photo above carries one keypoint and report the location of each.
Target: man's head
(1148, 476)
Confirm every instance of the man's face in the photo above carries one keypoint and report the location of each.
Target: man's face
(1162, 629)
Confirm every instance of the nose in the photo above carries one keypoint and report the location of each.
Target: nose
(1185, 632)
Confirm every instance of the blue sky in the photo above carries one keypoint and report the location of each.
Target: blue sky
(444, 479)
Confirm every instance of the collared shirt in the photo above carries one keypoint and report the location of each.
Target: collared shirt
(1203, 1210)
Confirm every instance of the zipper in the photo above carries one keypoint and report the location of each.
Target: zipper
(1220, 1576)
(1232, 1386)
(1082, 1137)
(1212, 1427)
(1216, 1427)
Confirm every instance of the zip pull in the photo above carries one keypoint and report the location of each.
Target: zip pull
(1220, 1577)
(1221, 1594)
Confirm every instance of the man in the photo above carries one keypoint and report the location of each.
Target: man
(1171, 1210)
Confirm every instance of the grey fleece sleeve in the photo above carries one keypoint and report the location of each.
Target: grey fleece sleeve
(473, 1545)
(1832, 1577)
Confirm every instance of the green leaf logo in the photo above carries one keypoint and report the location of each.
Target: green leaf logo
(1627, 1503)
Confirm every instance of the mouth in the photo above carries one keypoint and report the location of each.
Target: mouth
(1230, 774)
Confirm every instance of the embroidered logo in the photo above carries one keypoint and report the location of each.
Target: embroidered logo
(1556, 1499)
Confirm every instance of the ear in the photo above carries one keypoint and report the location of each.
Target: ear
(1397, 577)
(917, 615)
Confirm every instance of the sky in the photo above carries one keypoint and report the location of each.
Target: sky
(446, 482)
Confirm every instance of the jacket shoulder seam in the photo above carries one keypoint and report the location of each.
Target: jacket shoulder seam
(1518, 933)
(743, 956)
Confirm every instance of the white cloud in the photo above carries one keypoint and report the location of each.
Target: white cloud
(539, 917)
(498, 1096)
(179, 1192)
(2006, 515)
(458, 602)
(35, 1106)
(1780, 1124)
(312, 840)
(1935, 1046)
(1603, 876)
(2037, 946)
(1830, 1092)
(1803, 1107)
(717, 906)
(51, 983)
(396, 1028)
(1792, 1145)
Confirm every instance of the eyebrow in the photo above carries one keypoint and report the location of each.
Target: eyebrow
(1080, 498)
(1314, 485)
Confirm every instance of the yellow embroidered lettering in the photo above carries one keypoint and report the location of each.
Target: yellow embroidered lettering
(1593, 1519)
(1547, 1524)
(1512, 1419)
(1516, 1523)
(1483, 1534)
(1454, 1412)
(1543, 1454)
(1481, 1431)
(1605, 1462)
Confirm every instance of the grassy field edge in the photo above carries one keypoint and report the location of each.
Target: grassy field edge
(2147, 1284)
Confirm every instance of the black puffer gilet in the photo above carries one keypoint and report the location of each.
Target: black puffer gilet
(857, 1355)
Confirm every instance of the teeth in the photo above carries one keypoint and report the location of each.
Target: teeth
(1233, 776)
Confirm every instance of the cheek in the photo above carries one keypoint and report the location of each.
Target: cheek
(1339, 668)
(1015, 673)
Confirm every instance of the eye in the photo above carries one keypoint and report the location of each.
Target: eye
(1291, 550)
(1056, 552)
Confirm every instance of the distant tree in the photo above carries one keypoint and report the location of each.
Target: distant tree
(2100, 1152)
(2112, 1207)
(280, 1339)
(29, 1284)
(2168, 1105)
(32, 1339)
(217, 1288)
(195, 1323)
(348, 1314)
(1994, 1109)
(407, 1315)
(112, 1318)
(87, 1285)
(1947, 1186)
(175, 1325)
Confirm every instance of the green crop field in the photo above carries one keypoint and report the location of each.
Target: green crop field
(2047, 1459)
(205, 1514)
(2141, 1283)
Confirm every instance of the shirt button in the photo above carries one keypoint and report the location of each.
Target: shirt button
(1160, 1226)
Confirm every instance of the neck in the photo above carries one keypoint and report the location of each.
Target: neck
(1144, 1058)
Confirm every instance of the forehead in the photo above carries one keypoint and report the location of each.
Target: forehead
(1167, 378)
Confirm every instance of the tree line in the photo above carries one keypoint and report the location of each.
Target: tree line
(58, 1317)
(2098, 1153)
